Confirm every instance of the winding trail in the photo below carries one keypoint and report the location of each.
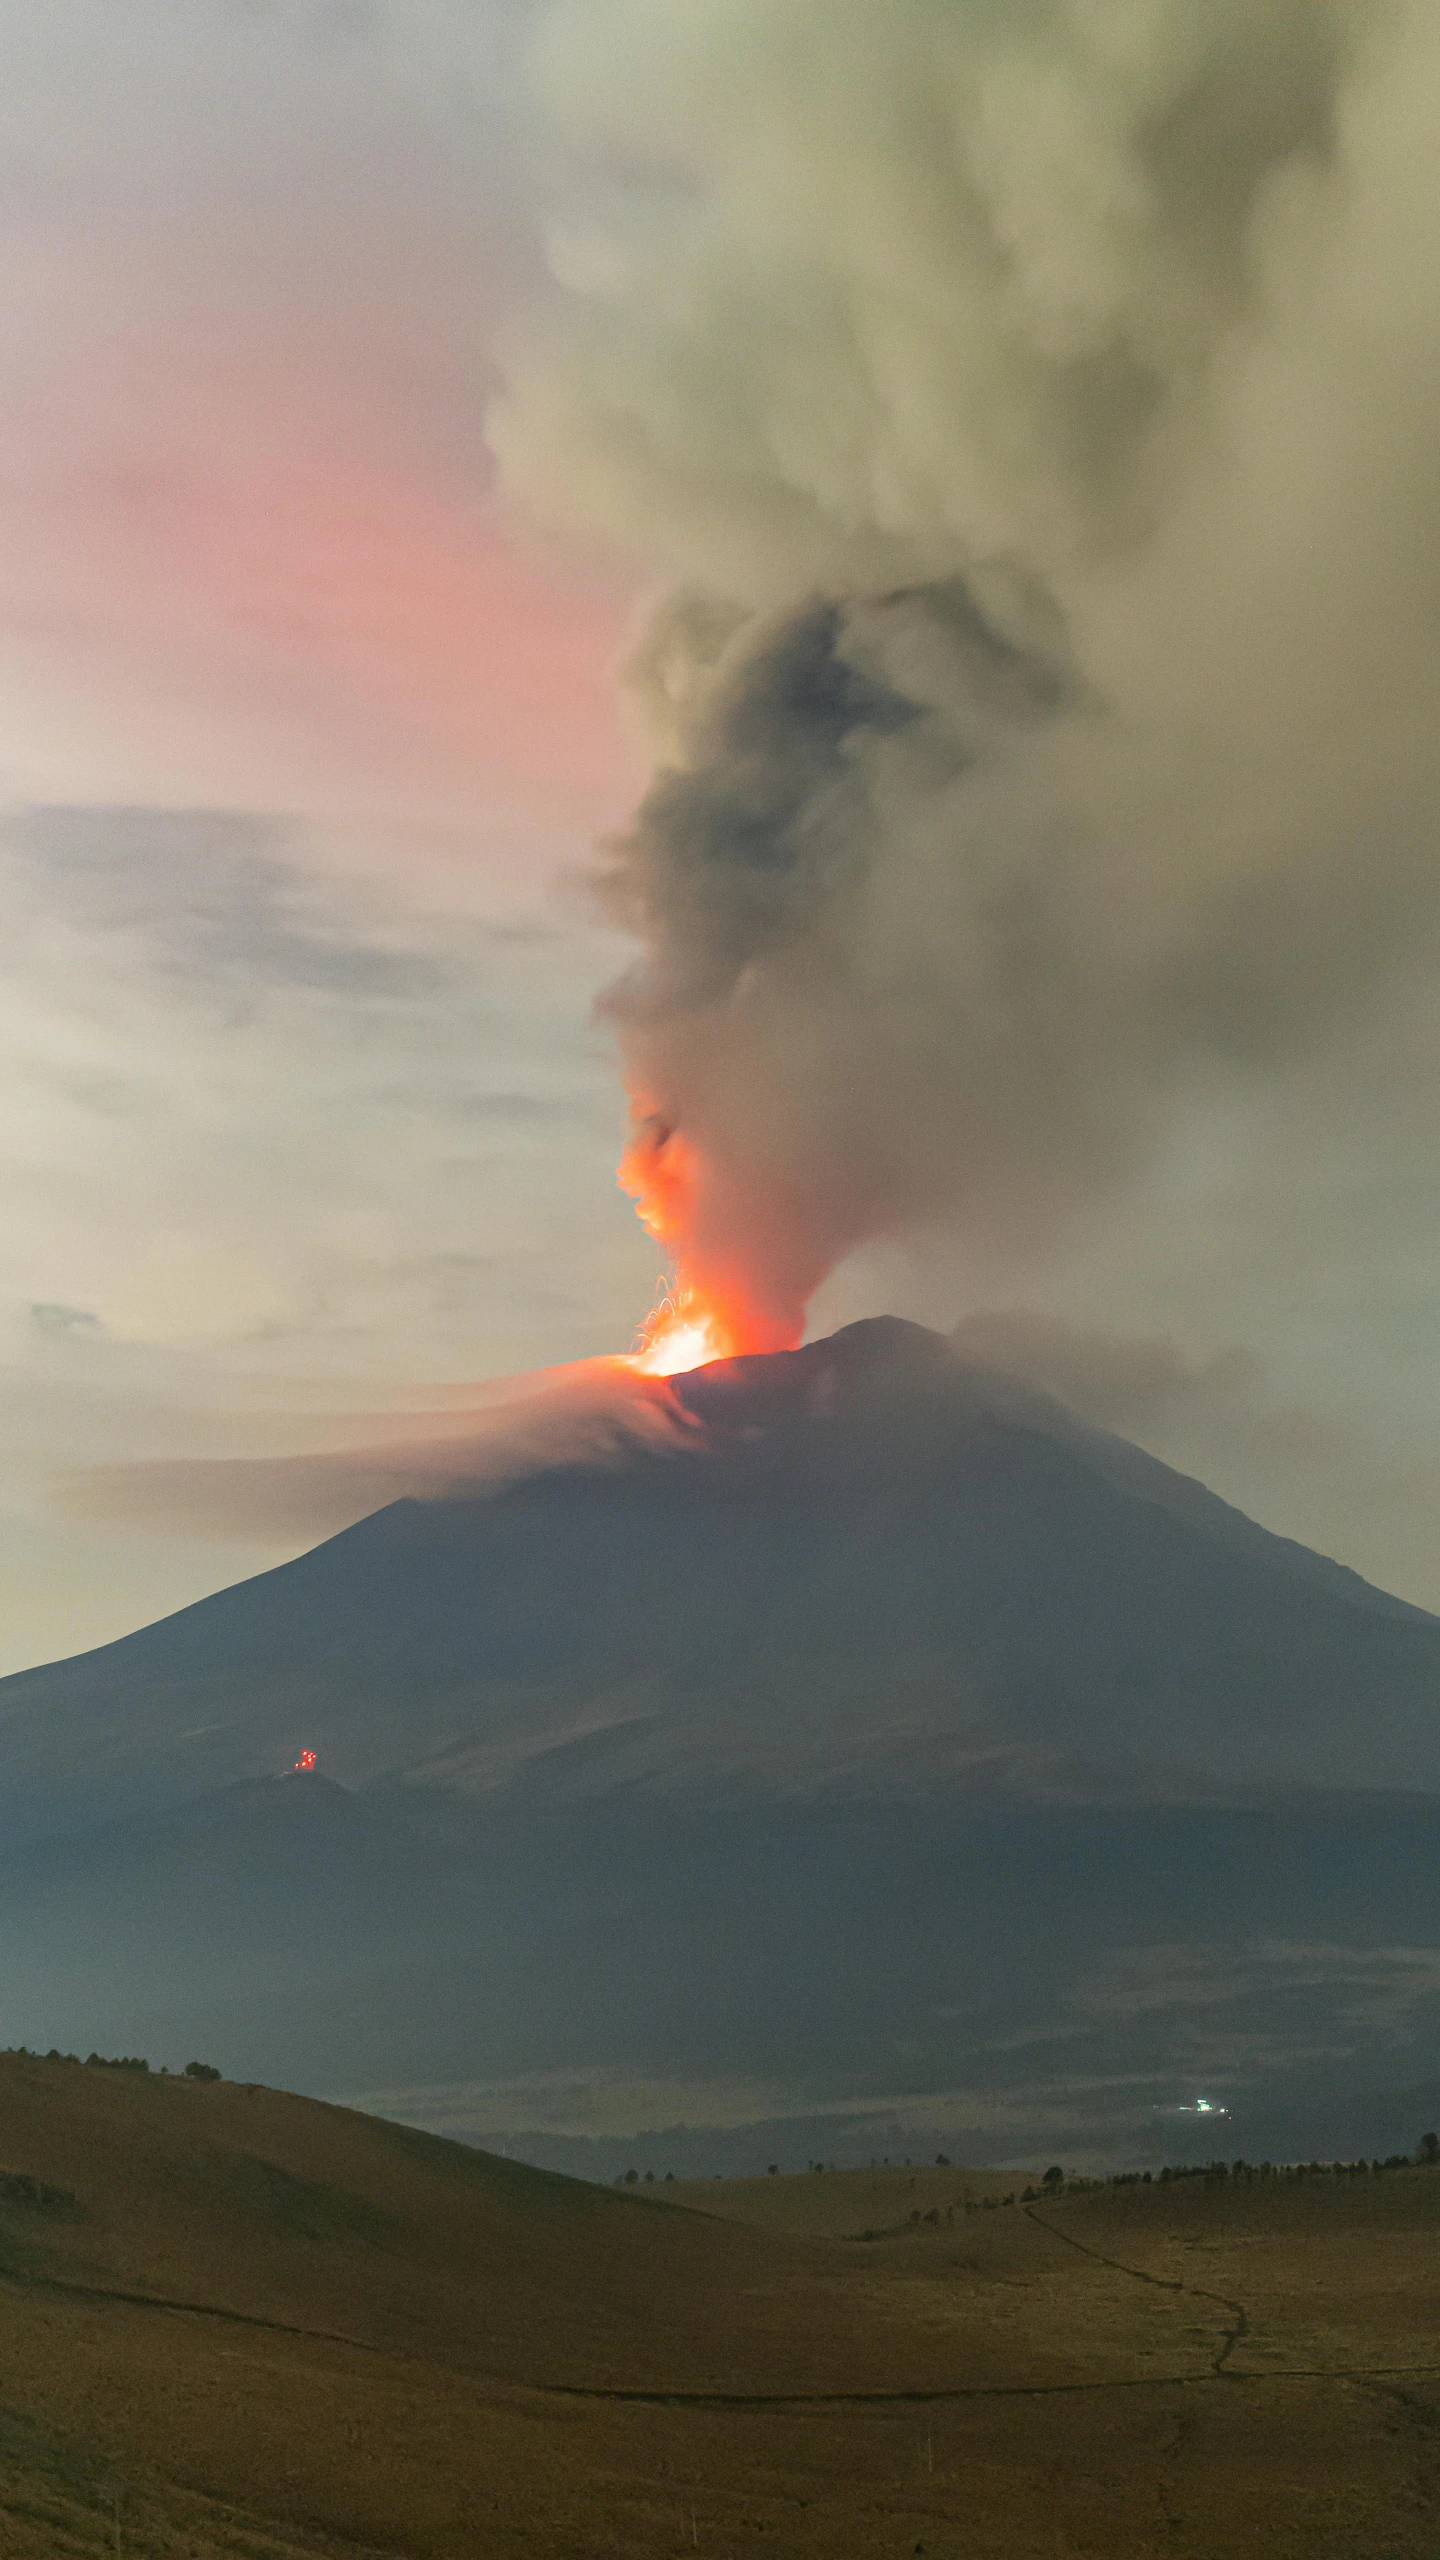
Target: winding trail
(658, 2397)
(70, 2288)
(1166, 2284)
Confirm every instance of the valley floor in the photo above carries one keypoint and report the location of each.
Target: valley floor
(235, 2323)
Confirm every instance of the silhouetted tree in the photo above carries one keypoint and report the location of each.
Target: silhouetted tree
(201, 2071)
(1430, 2149)
(1053, 2178)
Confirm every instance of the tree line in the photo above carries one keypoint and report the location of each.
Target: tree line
(113, 2062)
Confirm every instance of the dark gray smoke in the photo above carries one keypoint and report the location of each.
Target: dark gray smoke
(1033, 405)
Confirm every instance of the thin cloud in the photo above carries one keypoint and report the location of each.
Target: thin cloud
(216, 894)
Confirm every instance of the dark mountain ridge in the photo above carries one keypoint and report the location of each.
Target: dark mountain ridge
(863, 1568)
(889, 1733)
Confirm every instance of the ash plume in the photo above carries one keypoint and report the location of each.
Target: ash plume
(1032, 409)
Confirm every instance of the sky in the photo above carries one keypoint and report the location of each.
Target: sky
(321, 556)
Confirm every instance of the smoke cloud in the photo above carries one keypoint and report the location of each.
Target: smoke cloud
(1030, 408)
(597, 1413)
(1318, 1473)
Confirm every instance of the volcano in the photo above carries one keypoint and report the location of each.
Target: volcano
(883, 1724)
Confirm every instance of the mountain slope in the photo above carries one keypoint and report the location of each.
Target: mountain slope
(864, 1568)
(888, 1741)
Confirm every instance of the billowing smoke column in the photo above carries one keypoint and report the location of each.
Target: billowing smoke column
(1032, 403)
(772, 1017)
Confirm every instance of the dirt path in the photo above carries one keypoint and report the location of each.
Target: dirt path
(1166, 2284)
(657, 2397)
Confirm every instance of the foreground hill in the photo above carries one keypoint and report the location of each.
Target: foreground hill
(885, 1738)
(236, 2322)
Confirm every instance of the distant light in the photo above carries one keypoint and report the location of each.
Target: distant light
(1202, 2105)
(306, 1760)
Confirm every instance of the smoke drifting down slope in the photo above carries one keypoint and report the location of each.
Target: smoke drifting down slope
(1030, 409)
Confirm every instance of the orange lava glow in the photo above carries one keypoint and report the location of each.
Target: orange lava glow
(695, 1321)
(682, 1334)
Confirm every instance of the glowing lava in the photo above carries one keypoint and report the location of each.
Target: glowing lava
(695, 1321)
(682, 1334)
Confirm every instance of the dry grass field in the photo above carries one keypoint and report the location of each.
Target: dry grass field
(846, 2204)
(236, 2322)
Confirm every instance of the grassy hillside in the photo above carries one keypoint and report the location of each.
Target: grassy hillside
(237, 2322)
(847, 2204)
